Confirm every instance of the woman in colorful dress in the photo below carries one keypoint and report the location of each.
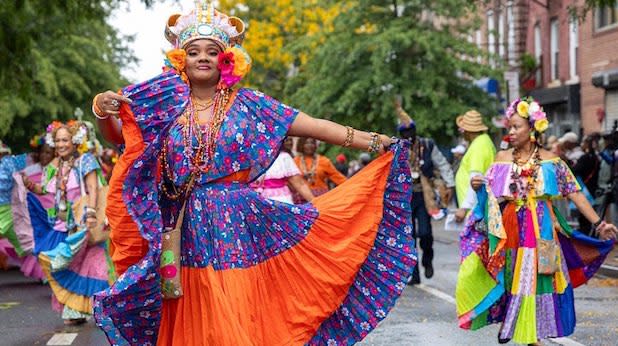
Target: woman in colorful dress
(282, 174)
(11, 249)
(520, 259)
(254, 271)
(26, 206)
(317, 169)
(75, 269)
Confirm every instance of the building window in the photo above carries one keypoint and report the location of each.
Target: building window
(554, 48)
(501, 40)
(573, 48)
(606, 17)
(538, 53)
(511, 34)
(491, 36)
(479, 44)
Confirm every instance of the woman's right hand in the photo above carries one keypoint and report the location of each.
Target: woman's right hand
(109, 102)
(477, 181)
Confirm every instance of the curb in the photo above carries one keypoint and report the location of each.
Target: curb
(609, 271)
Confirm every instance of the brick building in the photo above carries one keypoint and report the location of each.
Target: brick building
(570, 67)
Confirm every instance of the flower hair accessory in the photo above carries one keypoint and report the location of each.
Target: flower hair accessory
(78, 132)
(36, 141)
(205, 22)
(529, 109)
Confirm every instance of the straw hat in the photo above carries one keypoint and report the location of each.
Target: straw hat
(471, 121)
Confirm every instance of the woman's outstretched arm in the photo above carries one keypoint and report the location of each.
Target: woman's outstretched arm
(333, 133)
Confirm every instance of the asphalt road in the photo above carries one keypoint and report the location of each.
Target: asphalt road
(424, 315)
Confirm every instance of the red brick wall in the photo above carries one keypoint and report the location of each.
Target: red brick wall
(598, 51)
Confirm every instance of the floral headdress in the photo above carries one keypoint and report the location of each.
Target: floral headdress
(205, 22)
(529, 109)
(36, 141)
(79, 134)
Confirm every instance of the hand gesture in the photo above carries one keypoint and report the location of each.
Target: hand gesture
(109, 103)
(477, 181)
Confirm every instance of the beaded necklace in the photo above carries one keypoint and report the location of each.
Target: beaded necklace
(201, 155)
(524, 174)
(62, 179)
(309, 175)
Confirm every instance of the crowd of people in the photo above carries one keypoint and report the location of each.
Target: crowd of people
(210, 228)
(49, 219)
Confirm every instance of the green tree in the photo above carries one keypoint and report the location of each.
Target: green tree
(417, 49)
(58, 54)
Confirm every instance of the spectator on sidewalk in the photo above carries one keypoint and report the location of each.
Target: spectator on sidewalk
(424, 156)
(476, 161)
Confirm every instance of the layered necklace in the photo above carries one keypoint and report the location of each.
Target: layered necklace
(311, 173)
(62, 179)
(524, 173)
(199, 142)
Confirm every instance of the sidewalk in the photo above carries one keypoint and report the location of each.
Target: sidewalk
(610, 267)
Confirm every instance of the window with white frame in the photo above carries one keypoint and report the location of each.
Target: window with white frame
(479, 44)
(606, 17)
(554, 49)
(573, 48)
(538, 51)
(491, 38)
(501, 40)
(510, 20)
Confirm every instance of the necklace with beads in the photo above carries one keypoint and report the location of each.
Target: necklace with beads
(524, 174)
(199, 144)
(62, 179)
(309, 174)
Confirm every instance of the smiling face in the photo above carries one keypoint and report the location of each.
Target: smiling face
(201, 62)
(519, 131)
(63, 142)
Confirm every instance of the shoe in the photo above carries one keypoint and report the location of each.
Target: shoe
(415, 279)
(429, 271)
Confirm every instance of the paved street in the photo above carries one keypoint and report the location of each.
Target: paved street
(425, 315)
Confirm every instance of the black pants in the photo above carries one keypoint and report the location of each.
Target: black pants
(423, 232)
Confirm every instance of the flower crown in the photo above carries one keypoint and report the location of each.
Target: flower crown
(36, 141)
(529, 109)
(205, 22)
(78, 132)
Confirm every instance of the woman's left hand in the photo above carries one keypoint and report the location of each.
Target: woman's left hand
(91, 222)
(608, 231)
(386, 142)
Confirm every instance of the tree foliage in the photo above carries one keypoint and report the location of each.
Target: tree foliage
(273, 29)
(56, 56)
(417, 49)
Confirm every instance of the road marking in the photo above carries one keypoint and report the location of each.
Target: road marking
(450, 299)
(8, 305)
(436, 293)
(62, 339)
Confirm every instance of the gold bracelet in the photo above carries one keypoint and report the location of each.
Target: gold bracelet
(349, 137)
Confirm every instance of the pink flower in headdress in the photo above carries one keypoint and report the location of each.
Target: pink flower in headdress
(226, 63)
(538, 115)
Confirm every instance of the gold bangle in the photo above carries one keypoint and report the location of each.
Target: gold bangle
(349, 137)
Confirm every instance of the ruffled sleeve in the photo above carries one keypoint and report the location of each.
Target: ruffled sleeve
(252, 135)
(87, 164)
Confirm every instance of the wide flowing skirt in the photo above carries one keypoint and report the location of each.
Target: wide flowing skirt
(504, 286)
(321, 273)
(76, 271)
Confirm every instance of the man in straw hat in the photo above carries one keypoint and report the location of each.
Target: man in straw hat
(476, 161)
(424, 156)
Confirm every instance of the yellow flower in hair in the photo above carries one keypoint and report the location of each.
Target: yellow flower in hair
(242, 65)
(177, 58)
(541, 125)
(522, 109)
(83, 148)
